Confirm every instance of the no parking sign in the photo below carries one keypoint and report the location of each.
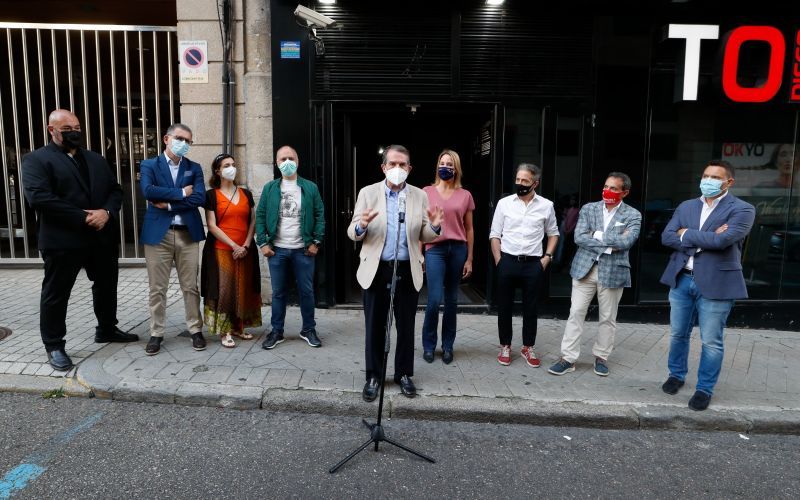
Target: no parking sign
(193, 61)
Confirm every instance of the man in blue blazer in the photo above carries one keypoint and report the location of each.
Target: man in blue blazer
(705, 277)
(174, 189)
(605, 231)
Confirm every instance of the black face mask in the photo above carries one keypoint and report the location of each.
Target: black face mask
(522, 189)
(71, 139)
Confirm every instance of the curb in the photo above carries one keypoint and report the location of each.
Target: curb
(91, 381)
(31, 384)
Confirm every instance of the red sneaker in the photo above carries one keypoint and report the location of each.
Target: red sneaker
(530, 356)
(504, 358)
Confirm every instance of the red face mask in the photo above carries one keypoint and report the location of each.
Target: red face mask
(611, 197)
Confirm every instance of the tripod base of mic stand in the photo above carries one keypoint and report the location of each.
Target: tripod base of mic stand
(376, 435)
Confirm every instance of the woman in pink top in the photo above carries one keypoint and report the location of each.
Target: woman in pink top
(448, 259)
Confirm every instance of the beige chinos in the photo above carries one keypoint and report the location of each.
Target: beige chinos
(176, 246)
(608, 299)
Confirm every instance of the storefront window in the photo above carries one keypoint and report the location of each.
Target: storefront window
(759, 140)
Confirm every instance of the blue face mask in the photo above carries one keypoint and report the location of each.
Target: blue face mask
(710, 187)
(446, 174)
(288, 168)
(179, 148)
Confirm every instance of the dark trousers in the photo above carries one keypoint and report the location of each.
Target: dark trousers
(376, 308)
(512, 273)
(61, 267)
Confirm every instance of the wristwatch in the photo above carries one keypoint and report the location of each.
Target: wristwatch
(317, 242)
(549, 255)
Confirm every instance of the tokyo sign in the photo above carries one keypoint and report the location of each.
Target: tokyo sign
(694, 34)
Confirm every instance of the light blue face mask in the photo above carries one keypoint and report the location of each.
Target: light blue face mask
(288, 168)
(710, 187)
(179, 147)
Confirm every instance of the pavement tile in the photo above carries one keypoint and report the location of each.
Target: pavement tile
(761, 368)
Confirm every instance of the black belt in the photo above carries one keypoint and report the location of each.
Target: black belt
(391, 262)
(179, 227)
(687, 271)
(521, 258)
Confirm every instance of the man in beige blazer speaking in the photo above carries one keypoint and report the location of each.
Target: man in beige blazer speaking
(382, 210)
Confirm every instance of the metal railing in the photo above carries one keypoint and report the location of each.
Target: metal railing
(97, 71)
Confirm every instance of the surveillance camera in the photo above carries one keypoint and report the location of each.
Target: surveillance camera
(312, 17)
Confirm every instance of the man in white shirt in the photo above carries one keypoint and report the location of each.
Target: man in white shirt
(605, 231)
(521, 221)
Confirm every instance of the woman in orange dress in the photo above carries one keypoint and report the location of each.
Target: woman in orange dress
(230, 277)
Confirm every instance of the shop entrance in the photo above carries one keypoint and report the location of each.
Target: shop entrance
(358, 134)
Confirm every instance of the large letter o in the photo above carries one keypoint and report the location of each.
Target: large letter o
(730, 63)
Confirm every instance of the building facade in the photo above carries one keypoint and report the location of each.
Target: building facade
(653, 95)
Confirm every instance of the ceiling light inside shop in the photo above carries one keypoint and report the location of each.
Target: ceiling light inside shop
(495, 2)
(327, 1)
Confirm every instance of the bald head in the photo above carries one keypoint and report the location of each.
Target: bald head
(286, 153)
(60, 115)
(63, 121)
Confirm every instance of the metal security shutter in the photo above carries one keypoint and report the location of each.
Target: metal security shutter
(375, 52)
(510, 54)
(451, 52)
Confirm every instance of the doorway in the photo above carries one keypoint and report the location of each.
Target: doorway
(491, 140)
(359, 134)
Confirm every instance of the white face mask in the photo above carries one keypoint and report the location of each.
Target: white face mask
(228, 173)
(396, 175)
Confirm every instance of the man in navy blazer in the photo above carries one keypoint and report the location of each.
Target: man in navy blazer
(77, 202)
(705, 277)
(174, 189)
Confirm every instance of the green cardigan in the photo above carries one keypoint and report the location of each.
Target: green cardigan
(312, 213)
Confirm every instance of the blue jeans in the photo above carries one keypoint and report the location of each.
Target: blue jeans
(303, 269)
(444, 265)
(687, 307)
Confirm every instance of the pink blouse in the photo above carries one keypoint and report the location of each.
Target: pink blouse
(455, 210)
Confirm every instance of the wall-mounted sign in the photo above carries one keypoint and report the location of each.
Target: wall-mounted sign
(290, 49)
(769, 84)
(193, 62)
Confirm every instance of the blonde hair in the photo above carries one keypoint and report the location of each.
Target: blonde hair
(456, 165)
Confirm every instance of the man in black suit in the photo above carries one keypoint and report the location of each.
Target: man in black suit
(77, 202)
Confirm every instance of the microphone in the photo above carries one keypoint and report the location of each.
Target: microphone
(401, 206)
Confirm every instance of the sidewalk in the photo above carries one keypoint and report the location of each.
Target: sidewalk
(759, 389)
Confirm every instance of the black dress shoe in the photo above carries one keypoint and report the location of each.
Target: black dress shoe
(407, 386)
(428, 356)
(672, 385)
(115, 335)
(59, 360)
(153, 346)
(699, 401)
(198, 342)
(370, 391)
(447, 357)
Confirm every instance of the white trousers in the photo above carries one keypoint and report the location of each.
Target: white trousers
(608, 299)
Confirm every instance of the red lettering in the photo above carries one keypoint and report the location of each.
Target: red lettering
(730, 63)
(794, 93)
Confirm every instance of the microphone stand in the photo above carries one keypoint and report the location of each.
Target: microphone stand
(376, 430)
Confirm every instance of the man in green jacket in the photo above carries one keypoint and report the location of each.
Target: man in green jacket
(290, 226)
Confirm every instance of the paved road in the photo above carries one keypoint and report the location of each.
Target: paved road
(89, 448)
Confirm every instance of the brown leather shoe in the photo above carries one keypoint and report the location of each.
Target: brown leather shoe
(153, 346)
(198, 342)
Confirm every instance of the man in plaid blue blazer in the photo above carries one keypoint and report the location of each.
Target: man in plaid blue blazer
(606, 230)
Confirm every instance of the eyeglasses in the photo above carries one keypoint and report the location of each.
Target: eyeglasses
(184, 139)
(70, 129)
